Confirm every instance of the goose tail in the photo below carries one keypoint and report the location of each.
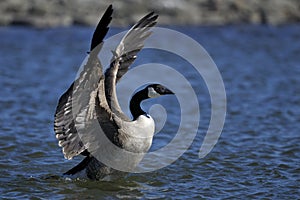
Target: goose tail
(81, 166)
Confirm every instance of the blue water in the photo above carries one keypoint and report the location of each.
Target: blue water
(257, 155)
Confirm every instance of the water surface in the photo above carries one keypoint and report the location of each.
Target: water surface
(258, 153)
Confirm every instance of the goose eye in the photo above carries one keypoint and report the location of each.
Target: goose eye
(160, 89)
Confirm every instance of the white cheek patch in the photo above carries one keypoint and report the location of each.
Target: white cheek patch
(152, 93)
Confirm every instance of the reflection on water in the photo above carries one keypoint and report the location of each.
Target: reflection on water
(257, 155)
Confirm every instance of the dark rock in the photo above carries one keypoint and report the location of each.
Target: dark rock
(45, 13)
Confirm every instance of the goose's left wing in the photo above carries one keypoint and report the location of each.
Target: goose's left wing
(124, 56)
(76, 106)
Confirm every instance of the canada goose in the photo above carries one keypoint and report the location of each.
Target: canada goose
(92, 96)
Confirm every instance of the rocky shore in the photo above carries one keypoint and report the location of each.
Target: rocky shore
(52, 13)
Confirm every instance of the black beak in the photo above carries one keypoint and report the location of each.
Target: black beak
(160, 89)
(167, 91)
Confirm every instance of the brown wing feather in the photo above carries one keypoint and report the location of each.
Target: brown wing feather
(77, 105)
(124, 56)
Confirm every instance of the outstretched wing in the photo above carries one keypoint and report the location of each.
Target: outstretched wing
(102, 28)
(124, 56)
(77, 105)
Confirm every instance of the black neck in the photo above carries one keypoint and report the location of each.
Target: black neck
(135, 103)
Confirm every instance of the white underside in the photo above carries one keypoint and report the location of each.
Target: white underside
(138, 134)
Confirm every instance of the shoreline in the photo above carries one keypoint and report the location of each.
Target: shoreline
(63, 13)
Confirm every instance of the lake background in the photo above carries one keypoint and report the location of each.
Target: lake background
(257, 155)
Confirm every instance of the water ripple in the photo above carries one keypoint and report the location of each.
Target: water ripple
(257, 155)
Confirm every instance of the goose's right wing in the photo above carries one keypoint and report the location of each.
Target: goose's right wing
(124, 56)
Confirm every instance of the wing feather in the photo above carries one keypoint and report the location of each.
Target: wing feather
(124, 56)
(77, 105)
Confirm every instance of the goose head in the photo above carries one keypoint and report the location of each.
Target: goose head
(150, 91)
(156, 90)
